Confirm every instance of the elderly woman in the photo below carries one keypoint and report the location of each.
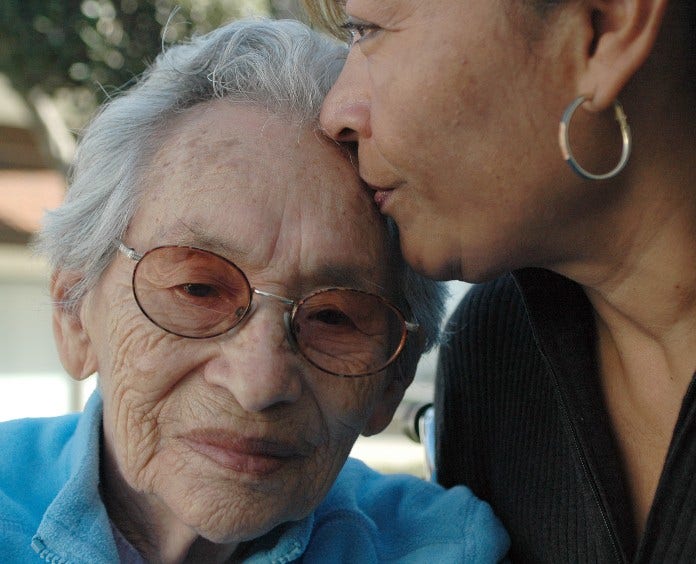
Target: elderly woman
(566, 395)
(220, 266)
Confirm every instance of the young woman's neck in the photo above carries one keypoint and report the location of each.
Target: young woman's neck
(642, 282)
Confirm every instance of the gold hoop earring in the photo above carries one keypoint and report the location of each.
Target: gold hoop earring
(564, 141)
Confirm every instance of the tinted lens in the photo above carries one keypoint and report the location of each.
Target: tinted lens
(190, 292)
(348, 332)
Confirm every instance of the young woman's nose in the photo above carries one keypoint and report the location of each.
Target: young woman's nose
(345, 114)
(256, 363)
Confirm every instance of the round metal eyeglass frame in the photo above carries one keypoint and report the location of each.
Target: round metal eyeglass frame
(289, 317)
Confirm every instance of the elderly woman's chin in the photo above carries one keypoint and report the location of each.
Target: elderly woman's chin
(231, 518)
(213, 485)
(240, 506)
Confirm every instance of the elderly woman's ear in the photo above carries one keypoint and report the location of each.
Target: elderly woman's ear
(620, 36)
(404, 371)
(74, 346)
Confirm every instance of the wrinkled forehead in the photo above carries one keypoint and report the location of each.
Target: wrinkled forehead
(265, 192)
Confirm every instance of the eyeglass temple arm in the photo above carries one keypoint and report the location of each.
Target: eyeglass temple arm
(130, 253)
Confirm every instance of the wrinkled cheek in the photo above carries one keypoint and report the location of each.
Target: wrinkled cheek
(341, 432)
(352, 405)
(146, 360)
(133, 400)
(131, 429)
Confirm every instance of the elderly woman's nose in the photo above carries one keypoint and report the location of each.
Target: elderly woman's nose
(345, 114)
(257, 365)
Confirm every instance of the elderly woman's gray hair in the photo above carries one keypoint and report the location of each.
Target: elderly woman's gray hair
(280, 65)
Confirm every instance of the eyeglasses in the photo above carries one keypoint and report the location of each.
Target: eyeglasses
(198, 294)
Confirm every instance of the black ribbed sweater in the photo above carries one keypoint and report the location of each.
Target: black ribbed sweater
(521, 420)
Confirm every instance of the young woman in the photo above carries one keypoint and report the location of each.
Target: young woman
(565, 395)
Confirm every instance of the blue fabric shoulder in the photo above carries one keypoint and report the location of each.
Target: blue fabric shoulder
(35, 464)
(371, 517)
(33, 467)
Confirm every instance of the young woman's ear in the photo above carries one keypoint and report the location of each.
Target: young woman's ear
(72, 341)
(623, 35)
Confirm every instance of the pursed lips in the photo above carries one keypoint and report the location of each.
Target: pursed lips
(381, 194)
(256, 456)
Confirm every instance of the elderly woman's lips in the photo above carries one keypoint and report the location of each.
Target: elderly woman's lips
(250, 456)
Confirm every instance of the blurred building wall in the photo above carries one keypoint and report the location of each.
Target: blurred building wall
(32, 381)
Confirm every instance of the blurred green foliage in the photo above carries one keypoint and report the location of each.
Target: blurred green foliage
(78, 52)
(54, 44)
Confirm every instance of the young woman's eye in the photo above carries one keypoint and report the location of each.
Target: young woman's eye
(359, 30)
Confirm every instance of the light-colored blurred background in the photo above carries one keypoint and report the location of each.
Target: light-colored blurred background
(56, 66)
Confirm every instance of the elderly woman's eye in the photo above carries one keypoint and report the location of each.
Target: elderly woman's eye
(332, 317)
(200, 290)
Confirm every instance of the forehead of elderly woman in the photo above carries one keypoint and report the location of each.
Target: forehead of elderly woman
(221, 331)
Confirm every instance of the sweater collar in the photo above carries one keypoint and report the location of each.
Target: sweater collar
(563, 325)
